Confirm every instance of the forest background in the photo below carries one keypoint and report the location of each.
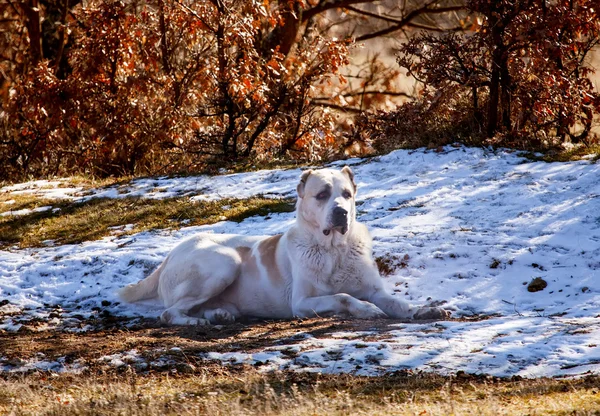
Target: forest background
(114, 88)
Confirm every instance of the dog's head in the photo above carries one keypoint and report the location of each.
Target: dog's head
(326, 200)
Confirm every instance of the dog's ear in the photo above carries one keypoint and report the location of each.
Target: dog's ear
(303, 179)
(348, 171)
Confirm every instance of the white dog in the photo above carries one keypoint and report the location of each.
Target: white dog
(323, 265)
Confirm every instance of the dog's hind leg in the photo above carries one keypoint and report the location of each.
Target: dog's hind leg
(222, 315)
(177, 314)
(193, 279)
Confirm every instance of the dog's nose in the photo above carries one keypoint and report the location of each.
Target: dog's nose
(339, 212)
(340, 216)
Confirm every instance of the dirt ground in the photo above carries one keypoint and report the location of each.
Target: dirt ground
(187, 383)
(121, 335)
(181, 344)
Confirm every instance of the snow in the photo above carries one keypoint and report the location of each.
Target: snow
(41, 364)
(527, 347)
(20, 212)
(468, 227)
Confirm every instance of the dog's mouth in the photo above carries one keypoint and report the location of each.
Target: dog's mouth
(342, 229)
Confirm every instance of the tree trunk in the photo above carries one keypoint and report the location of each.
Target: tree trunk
(164, 45)
(498, 51)
(477, 116)
(60, 65)
(31, 9)
(492, 118)
(505, 83)
(228, 118)
(291, 26)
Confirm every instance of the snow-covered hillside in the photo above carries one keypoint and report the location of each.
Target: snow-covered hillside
(468, 227)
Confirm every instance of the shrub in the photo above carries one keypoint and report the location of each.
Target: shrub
(165, 86)
(518, 78)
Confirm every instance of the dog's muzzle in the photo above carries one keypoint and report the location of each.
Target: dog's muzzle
(339, 220)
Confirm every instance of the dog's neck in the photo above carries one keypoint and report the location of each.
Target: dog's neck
(314, 231)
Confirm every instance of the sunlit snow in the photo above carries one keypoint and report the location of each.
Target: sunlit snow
(469, 227)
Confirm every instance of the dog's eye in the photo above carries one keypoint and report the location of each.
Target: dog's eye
(322, 195)
(347, 194)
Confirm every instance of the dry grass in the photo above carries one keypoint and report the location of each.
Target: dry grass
(196, 387)
(388, 264)
(576, 153)
(244, 391)
(209, 388)
(93, 219)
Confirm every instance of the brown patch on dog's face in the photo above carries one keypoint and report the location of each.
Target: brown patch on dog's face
(301, 186)
(347, 171)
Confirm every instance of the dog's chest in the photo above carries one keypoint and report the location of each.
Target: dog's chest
(333, 268)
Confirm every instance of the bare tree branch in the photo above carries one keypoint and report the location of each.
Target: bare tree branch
(407, 20)
(338, 107)
(436, 29)
(197, 16)
(359, 93)
(325, 5)
(371, 14)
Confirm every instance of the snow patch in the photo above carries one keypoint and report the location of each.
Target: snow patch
(472, 226)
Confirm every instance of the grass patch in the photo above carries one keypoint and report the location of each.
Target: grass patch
(82, 181)
(388, 263)
(75, 222)
(192, 386)
(576, 153)
(243, 391)
(15, 202)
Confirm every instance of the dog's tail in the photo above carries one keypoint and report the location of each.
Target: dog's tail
(144, 289)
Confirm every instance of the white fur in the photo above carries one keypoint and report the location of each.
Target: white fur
(314, 269)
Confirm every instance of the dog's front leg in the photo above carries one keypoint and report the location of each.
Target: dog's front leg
(398, 308)
(338, 304)
(393, 306)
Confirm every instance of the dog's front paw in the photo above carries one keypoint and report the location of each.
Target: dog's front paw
(367, 310)
(431, 313)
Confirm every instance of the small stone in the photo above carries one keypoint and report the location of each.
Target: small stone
(537, 284)
(186, 368)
